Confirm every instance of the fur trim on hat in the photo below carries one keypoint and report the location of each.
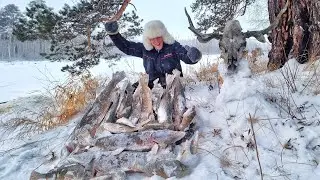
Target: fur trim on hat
(154, 29)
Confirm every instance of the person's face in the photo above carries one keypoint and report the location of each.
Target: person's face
(157, 43)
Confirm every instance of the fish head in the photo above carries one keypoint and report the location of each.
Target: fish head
(167, 136)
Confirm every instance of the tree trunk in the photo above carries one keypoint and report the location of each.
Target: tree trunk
(314, 49)
(9, 46)
(297, 33)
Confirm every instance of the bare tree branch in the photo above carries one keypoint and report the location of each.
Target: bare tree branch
(118, 14)
(203, 38)
(259, 34)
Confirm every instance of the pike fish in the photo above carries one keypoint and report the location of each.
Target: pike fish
(187, 118)
(136, 106)
(102, 104)
(124, 125)
(118, 128)
(188, 154)
(99, 109)
(179, 99)
(126, 98)
(146, 101)
(110, 116)
(164, 112)
(139, 141)
(78, 166)
(95, 163)
(78, 171)
(157, 93)
(195, 143)
(125, 121)
(138, 162)
(156, 126)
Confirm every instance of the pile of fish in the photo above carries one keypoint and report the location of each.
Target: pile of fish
(130, 130)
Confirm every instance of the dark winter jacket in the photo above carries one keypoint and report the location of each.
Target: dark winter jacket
(156, 63)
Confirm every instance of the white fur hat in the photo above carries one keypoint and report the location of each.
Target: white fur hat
(154, 29)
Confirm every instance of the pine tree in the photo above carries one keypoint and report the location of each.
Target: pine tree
(38, 23)
(79, 35)
(215, 13)
(9, 17)
(76, 33)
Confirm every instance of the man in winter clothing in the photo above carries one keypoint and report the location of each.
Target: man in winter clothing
(161, 54)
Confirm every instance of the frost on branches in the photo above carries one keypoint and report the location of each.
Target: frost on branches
(80, 36)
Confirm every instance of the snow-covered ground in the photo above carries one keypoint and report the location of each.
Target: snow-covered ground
(286, 124)
(23, 78)
(288, 147)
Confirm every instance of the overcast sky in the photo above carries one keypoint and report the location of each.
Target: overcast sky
(170, 12)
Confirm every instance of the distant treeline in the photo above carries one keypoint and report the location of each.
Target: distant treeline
(11, 50)
(33, 50)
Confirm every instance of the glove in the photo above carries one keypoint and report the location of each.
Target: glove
(193, 54)
(112, 28)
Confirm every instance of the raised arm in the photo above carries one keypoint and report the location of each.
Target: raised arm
(127, 47)
(189, 55)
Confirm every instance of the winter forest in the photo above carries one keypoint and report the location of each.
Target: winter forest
(83, 97)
